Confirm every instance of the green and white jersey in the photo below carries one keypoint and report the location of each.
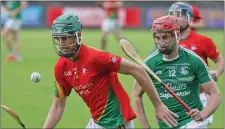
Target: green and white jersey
(184, 75)
(13, 5)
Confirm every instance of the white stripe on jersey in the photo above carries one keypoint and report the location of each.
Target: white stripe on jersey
(182, 79)
(194, 54)
(151, 55)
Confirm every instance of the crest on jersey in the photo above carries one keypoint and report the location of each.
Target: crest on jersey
(113, 59)
(184, 70)
(193, 47)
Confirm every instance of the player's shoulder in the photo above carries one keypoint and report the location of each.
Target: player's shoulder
(190, 55)
(154, 56)
(202, 37)
(94, 52)
(60, 63)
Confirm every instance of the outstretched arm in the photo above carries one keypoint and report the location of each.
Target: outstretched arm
(23, 5)
(214, 99)
(138, 72)
(55, 113)
(137, 98)
(143, 79)
(219, 61)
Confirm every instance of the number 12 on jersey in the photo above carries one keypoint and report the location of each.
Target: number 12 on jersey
(172, 73)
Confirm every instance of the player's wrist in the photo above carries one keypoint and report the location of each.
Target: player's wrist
(204, 115)
(157, 104)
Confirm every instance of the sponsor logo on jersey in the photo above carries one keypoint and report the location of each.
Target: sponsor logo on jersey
(83, 89)
(158, 72)
(193, 47)
(67, 73)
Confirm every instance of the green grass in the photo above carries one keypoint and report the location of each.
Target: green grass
(33, 100)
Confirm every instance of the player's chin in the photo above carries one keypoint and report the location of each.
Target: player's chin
(164, 49)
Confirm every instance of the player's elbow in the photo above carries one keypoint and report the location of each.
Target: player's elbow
(137, 71)
(59, 104)
(217, 95)
(137, 91)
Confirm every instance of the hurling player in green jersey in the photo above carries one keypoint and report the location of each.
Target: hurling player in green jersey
(184, 72)
(12, 27)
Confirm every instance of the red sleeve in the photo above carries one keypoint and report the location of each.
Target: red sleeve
(212, 51)
(107, 62)
(61, 88)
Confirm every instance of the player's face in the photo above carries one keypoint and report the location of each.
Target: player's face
(181, 17)
(165, 41)
(66, 43)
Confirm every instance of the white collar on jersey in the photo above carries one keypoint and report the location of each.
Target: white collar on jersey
(172, 59)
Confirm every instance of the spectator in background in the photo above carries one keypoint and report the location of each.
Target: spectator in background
(111, 22)
(12, 26)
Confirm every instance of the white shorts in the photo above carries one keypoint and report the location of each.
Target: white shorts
(204, 100)
(92, 124)
(14, 24)
(196, 125)
(110, 25)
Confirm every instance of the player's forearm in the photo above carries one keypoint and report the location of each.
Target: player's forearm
(220, 66)
(146, 83)
(213, 103)
(139, 109)
(54, 116)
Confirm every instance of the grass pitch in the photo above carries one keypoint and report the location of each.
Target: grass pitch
(33, 100)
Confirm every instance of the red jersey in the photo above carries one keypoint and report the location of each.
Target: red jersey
(111, 12)
(201, 45)
(94, 77)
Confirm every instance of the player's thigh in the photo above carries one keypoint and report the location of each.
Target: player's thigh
(107, 25)
(15, 34)
(203, 98)
(5, 32)
(130, 124)
(200, 125)
(92, 124)
(117, 28)
(13, 24)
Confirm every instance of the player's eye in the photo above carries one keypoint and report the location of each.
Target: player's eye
(165, 37)
(64, 38)
(157, 38)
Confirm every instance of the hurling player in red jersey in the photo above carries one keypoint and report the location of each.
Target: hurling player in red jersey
(92, 73)
(111, 21)
(203, 46)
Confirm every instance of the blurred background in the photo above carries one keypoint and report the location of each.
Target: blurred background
(138, 15)
(33, 100)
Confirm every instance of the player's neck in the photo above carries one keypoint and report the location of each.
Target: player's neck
(173, 55)
(185, 33)
(74, 58)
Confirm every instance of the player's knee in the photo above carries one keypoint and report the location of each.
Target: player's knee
(5, 36)
(103, 39)
(4, 33)
(15, 37)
